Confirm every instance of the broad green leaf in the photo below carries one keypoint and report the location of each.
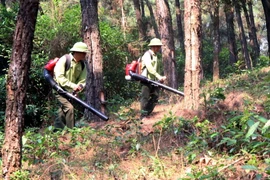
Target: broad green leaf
(252, 129)
(214, 135)
(250, 122)
(28, 146)
(266, 126)
(262, 119)
(249, 167)
(227, 141)
(24, 140)
(236, 118)
(231, 142)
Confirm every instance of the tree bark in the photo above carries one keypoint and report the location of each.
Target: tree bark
(253, 32)
(17, 81)
(140, 24)
(142, 10)
(229, 13)
(251, 37)
(244, 46)
(179, 26)
(167, 38)
(94, 83)
(266, 8)
(3, 2)
(193, 34)
(152, 17)
(123, 19)
(216, 40)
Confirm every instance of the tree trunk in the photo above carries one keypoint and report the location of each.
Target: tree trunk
(179, 26)
(229, 13)
(216, 40)
(140, 24)
(244, 46)
(152, 17)
(266, 8)
(193, 34)
(142, 9)
(251, 42)
(254, 40)
(144, 21)
(3, 2)
(17, 81)
(123, 19)
(94, 83)
(167, 38)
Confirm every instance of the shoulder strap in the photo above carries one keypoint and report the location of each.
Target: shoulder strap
(68, 62)
(150, 54)
(82, 64)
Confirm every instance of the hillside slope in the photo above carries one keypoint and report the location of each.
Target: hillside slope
(218, 141)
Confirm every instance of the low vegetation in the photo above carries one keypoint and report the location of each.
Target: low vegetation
(227, 139)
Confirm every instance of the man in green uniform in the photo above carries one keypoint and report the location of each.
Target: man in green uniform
(71, 80)
(151, 68)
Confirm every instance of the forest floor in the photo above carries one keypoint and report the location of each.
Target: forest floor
(127, 148)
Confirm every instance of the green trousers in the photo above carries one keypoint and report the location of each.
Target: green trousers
(149, 99)
(65, 113)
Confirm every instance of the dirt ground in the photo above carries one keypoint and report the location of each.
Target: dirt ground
(234, 101)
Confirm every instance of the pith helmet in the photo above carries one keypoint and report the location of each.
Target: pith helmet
(155, 42)
(79, 47)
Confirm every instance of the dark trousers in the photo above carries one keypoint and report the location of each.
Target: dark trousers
(149, 98)
(65, 113)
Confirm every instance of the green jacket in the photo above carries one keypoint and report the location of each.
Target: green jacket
(74, 76)
(151, 66)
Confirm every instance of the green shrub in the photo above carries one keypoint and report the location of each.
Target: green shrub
(2, 99)
(115, 58)
(247, 131)
(7, 27)
(20, 175)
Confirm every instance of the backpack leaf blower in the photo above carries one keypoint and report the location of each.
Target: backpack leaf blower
(131, 75)
(68, 95)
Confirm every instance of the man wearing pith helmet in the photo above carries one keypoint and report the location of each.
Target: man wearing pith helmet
(151, 68)
(72, 80)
